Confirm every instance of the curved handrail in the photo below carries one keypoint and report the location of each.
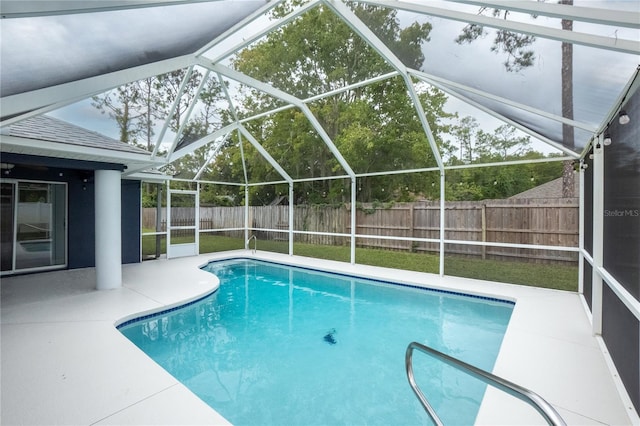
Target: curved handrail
(536, 401)
(255, 243)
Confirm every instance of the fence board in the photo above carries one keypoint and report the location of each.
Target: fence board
(549, 222)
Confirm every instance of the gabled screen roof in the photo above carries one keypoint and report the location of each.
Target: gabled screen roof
(56, 56)
(476, 70)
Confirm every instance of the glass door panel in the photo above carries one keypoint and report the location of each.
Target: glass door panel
(7, 194)
(40, 236)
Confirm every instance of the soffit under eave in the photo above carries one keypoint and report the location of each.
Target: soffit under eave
(17, 145)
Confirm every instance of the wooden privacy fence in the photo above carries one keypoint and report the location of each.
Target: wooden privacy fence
(548, 222)
(553, 222)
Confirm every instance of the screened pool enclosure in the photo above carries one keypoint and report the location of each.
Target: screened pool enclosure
(412, 127)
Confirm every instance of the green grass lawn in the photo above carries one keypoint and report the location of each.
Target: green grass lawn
(559, 277)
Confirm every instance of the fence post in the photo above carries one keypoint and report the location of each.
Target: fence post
(484, 230)
(411, 225)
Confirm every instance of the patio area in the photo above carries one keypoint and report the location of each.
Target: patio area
(64, 362)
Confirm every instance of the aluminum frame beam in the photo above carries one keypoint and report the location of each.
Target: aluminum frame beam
(246, 21)
(213, 153)
(205, 140)
(188, 113)
(350, 18)
(324, 95)
(504, 119)
(23, 9)
(219, 146)
(270, 90)
(598, 236)
(247, 41)
(36, 102)
(167, 120)
(367, 35)
(253, 141)
(562, 11)
(591, 40)
(431, 79)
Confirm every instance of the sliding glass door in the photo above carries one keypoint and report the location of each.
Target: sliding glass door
(7, 214)
(33, 225)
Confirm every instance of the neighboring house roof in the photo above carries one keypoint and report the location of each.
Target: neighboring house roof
(551, 189)
(45, 128)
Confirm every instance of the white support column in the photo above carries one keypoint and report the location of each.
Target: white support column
(291, 213)
(246, 216)
(353, 219)
(581, 231)
(108, 242)
(598, 234)
(197, 218)
(442, 221)
(168, 228)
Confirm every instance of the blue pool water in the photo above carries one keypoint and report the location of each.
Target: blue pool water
(282, 345)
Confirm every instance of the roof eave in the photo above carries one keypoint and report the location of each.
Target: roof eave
(132, 160)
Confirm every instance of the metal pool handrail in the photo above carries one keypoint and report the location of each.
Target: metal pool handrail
(255, 242)
(536, 401)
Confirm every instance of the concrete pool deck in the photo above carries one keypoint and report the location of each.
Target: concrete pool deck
(64, 362)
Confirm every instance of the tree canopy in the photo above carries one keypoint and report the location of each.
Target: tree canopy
(375, 127)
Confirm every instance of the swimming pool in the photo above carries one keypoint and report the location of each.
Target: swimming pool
(285, 345)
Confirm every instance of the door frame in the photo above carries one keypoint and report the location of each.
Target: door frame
(15, 207)
(183, 249)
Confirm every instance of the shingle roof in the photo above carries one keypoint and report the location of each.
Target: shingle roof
(551, 189)
(47, 128)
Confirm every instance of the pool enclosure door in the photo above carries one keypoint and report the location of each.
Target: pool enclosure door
(182, 223)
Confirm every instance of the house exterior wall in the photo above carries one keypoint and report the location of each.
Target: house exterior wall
(131, 221)
(621, 228)
(79, 177)
(621, 245)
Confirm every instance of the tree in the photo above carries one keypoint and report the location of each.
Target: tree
(567, 106)
(478, 145)
(464, 133)
(503, 144)
(515, 45)
(134, 107)
(520, 56)
(169, 89)
(484, 183)
(374, 127)
(205, 120)
(506, 143)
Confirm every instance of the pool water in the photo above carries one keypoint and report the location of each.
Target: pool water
(291, 346)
